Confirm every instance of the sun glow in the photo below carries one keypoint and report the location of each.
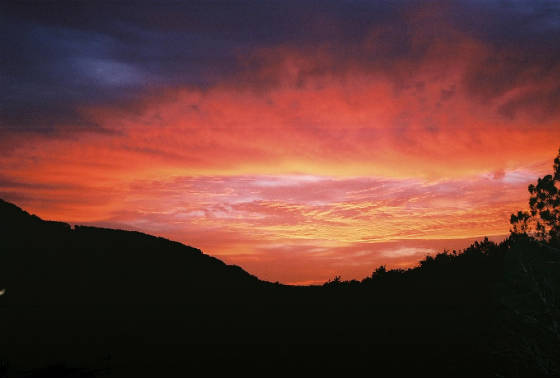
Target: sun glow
(298, 155)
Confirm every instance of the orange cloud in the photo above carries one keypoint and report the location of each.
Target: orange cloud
(309, 155)
(329, 225)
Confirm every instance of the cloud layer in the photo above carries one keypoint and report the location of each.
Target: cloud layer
(298, 140)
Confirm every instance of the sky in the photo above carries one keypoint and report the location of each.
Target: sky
(301, 140)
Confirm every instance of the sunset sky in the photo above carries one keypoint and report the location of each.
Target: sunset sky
(300, 140)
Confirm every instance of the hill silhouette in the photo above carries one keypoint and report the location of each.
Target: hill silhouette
(104, 265)
(87, 301)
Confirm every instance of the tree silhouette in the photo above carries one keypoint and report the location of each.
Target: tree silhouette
(543, 219)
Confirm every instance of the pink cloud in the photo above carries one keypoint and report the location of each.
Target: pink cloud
(362, 222)
(324, 156)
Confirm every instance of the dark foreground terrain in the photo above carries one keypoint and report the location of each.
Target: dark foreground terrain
(87, 301)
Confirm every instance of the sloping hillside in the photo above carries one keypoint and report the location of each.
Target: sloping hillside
(45, 262)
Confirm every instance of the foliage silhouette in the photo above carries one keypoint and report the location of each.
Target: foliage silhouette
(543, 219)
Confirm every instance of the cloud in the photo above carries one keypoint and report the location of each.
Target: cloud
(407, 252)
(149, 46)
(325, 130)
(363, 222)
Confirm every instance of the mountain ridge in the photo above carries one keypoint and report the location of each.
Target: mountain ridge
(86, 264)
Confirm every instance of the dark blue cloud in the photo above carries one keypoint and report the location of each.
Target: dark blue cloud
(59, 55)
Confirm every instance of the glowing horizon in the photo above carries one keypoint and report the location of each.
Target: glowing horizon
(317, 152)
